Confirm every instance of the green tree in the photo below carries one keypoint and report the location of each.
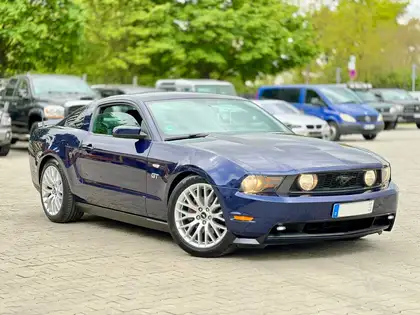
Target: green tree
(38, 34)
(197, 39)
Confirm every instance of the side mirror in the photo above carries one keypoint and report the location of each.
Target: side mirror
(316, 101)
(128, 132)
(22, 93)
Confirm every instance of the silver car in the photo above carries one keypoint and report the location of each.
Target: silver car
(5, 133)
(297, 121)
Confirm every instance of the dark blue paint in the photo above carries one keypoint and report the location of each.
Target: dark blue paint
(117, 173)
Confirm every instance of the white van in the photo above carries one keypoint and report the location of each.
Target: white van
(197, 85)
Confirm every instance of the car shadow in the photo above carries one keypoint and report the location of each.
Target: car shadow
(286, 252)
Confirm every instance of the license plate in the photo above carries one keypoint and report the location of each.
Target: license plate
(369, 127)
(352, 208)
(416, 115)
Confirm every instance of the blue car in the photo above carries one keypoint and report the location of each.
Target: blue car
(344, 111)
(215, 171)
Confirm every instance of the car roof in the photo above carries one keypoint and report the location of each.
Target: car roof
(40, 75)
(194, 81)
(300, 86)
(125, 87)
(162, 96)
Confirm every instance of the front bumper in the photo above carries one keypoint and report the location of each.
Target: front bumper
(306, 219)
(321, 133)
(5, 135)
(412, 117)
(361, 128)
(390, 117)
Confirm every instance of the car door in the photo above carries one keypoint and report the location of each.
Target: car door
(113, 170)
(19, 109)
(314, 104)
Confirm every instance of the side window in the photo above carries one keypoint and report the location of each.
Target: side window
(312, 97)
(10, 87)
(76, 119)
(290, 95)
(109, 117)
(23, 88)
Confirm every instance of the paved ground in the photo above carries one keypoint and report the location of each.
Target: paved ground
(98, 266)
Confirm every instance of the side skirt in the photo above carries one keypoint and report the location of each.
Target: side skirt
(124, 217)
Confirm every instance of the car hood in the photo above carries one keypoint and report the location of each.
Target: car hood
(381, 104)
(62, 99)
(357, 109)
(271, 153)
(300, 119)
(405, 102)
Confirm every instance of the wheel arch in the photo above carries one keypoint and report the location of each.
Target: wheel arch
(45, 159)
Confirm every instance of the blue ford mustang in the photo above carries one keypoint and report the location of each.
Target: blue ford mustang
(215, 171)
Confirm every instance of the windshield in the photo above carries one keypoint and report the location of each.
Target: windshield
(216, 89)
(366, 96)
(279, 108)
(396, 95)
(46, 85)
(192, 116)
(340, 95)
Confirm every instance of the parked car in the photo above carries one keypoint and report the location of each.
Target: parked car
(415, 94)
(5, 132)
(390, 112)
(411, 106)
(106, 90)
(339, 106)
(168, 161)
(197, 85)
(298, 122)
(32, 98)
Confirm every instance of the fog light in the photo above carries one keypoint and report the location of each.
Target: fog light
(307, 181)
(370, 178)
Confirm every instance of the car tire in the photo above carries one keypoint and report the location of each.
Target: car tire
(61, 207)
(4, 150)
(203, 222)
(389, 125)
(334, 131)
(418, 125)
(370, 136)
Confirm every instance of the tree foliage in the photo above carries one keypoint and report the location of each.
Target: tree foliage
(38, 33)
(197, 39)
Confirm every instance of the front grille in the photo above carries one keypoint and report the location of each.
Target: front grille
(338, 183)
(72, 109)
(314, 126)
(366, 118)
(384, 110)
(411, 108)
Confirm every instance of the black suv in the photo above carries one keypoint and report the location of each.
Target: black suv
(32, 98)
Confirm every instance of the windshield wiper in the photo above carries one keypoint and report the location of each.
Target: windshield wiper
(191, 136)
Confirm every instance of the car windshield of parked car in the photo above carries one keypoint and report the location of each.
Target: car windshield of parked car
(366, 96)
(216, 89)
(50, 85)
(203, 116)
(396, 95)
(279, 108)
(339, 95)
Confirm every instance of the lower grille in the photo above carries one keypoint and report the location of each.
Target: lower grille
(411, 108)
(366, 118)
(314, 126)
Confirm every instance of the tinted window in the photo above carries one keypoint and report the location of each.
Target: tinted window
(216, 89)
(290, 95)
(311, 95)
(23, 88)
(190, 116)
(53, 85)
(10, 87)
(113, 116)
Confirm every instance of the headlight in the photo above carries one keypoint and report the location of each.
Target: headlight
(54, 111)
(5, 120)
(380, 117)
(393, 110)
(399, 108)
(386, 174)
(370, 178)
(255, 184)
(347, 118)
(307, 182)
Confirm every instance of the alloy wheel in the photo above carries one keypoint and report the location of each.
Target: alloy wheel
(52, 190)
(199, 217)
